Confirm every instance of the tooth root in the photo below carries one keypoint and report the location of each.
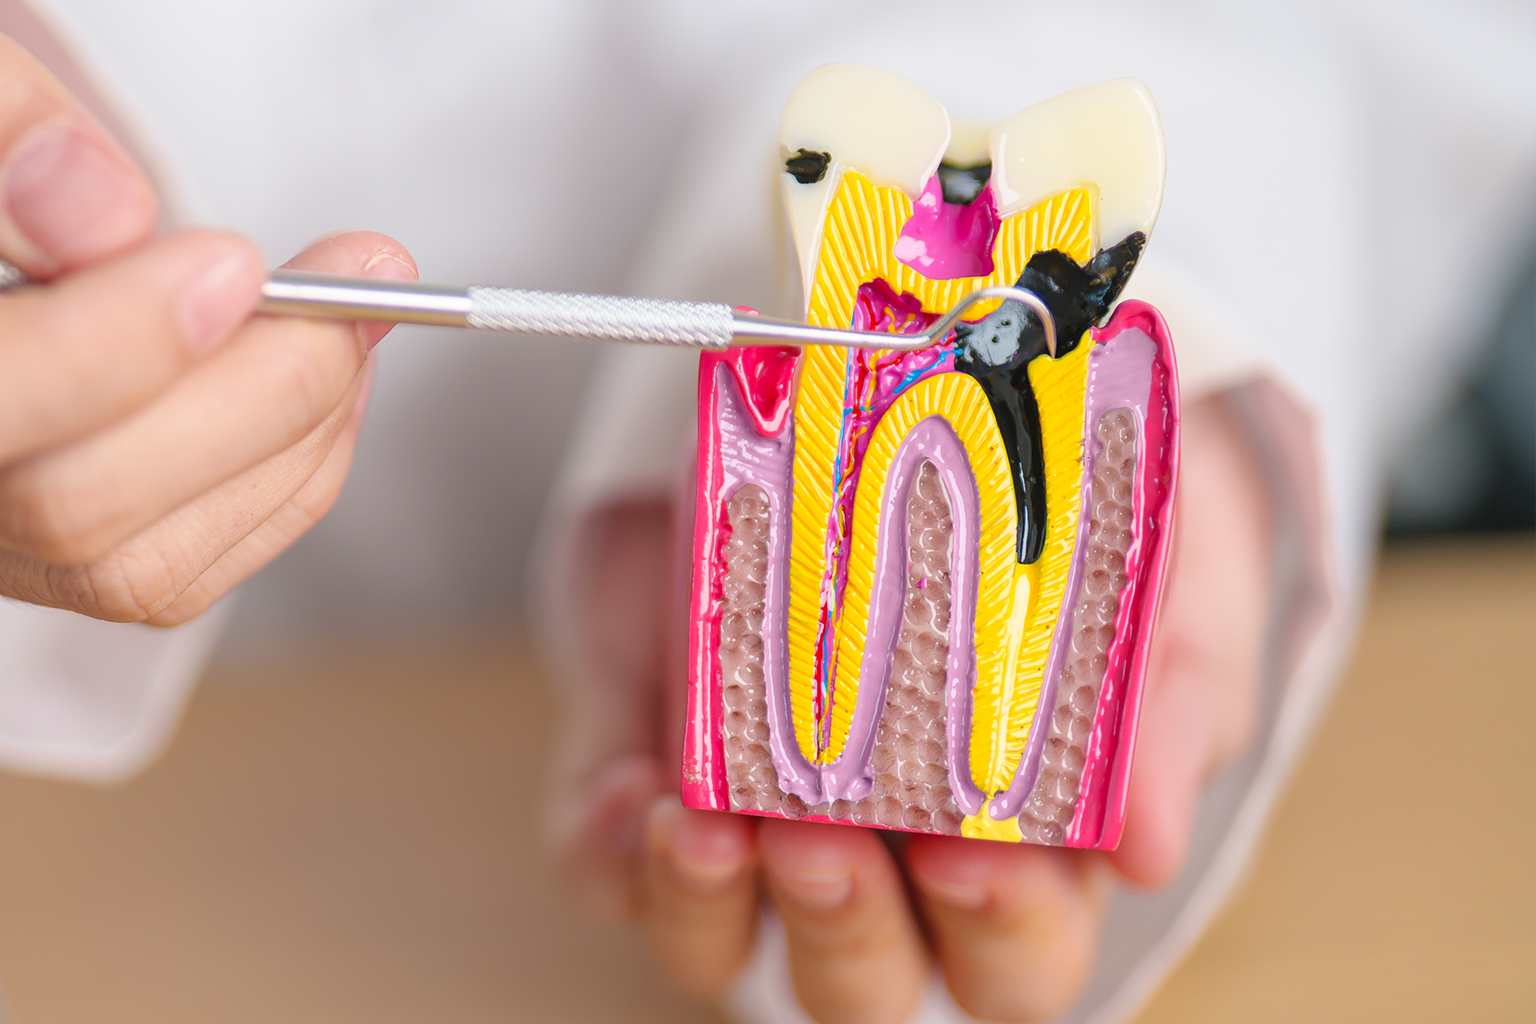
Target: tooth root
(1108, 135)
(874, 121)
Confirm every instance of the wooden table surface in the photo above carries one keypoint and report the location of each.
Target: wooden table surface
(350, 835)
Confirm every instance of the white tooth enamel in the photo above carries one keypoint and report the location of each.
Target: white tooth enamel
(1108, 135)
(806, 206)
(879, 123)
(969, 144)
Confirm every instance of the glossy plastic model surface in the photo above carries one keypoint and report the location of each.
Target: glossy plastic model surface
(901, 558)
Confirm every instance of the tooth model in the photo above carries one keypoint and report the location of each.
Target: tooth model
(924, 583)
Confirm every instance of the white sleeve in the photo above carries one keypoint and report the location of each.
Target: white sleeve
(93, 700)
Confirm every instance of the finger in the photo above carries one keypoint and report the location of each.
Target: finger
(267, 388)
(358, 254)
(1202, 681)
(71, 195)
(598, 832)
(855, 952)
(609, 768)
(701, 895)
(1014, 927)
(1172, 755)
(302, 507)
(143, 577)
(91, 349)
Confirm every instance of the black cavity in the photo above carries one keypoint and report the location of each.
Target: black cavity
(962, 185)
(1078, 297)
(998, 349)
(808, 167)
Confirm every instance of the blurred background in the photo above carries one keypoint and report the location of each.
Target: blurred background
(345, 827)
(347, 835)
(1474, 469)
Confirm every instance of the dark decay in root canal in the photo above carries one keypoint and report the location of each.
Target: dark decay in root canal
(998, 349)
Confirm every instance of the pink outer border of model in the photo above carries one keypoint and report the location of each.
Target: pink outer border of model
(765, 376)
(1100, 815)
(703, 776)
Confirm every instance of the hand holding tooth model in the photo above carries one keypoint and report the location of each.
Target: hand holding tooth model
(923, 583)
(916, 610)
(147, 337)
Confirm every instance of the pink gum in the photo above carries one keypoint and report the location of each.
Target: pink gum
(765, 376)
(1100, 816)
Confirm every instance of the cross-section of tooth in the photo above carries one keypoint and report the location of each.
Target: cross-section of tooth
(849, 116)
(1108, 134)
(924, 581)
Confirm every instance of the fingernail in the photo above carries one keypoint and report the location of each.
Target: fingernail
(702, 858)
(75, 199)
(217, 299)
(386, 265)
(813, 890)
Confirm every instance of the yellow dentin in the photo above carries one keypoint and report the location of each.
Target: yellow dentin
(1016, 606)
(1004, 706)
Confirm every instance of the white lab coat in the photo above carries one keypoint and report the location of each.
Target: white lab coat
(1350, 189)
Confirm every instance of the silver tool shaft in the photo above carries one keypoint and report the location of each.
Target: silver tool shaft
(653, 321)
(710, 325)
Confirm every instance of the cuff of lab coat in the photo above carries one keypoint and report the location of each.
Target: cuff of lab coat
(89, 700)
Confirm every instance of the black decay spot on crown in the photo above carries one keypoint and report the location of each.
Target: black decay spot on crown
(807, 166)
